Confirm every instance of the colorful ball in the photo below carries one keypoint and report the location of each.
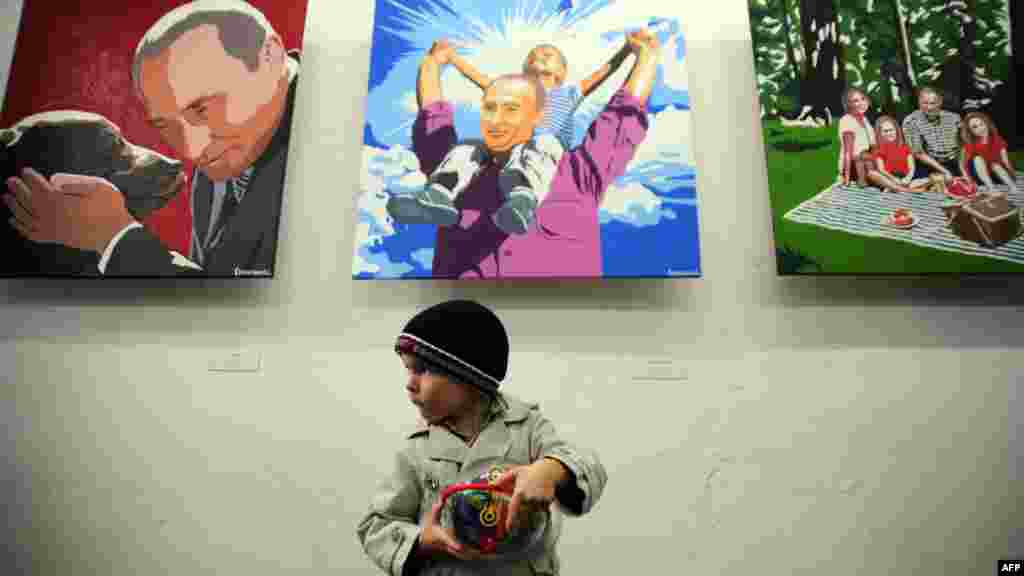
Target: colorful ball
(478, 519)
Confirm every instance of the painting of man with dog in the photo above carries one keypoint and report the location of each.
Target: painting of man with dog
(527, 139)
(158, 150)
(891, 135)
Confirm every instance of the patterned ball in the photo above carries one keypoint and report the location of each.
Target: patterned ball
(478, 518)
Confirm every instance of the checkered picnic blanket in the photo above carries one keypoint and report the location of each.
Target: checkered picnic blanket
(862, 211)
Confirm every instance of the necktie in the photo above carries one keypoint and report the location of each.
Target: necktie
(235, 190)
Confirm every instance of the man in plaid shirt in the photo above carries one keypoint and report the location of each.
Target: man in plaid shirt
(933, 136)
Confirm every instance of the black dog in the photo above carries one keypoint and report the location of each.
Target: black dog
(81, 143)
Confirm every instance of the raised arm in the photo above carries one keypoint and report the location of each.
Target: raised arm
(594, 81)
(470, 72)
(433, 132)
(428, 82)
(612, 138)
(641, 78)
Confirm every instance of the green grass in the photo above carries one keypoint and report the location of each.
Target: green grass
(795, 176)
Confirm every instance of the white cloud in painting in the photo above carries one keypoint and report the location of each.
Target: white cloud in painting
(668, 139)
(385, 172)
(633, 204)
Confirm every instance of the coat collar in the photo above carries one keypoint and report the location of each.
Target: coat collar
(442, 444)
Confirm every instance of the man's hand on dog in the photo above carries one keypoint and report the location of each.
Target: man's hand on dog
(82, 212)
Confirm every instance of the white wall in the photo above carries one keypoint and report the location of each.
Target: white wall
(858, 426)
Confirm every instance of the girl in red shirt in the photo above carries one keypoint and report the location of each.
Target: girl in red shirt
(894, 164)
(985, 151)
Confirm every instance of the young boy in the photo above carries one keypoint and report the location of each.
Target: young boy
(470, 428)
(527, 174)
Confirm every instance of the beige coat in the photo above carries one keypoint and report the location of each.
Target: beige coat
(434, 458)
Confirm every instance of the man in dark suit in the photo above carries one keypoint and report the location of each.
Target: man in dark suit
(217, 82)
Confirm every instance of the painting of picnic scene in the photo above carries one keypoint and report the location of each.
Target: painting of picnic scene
(891, 135)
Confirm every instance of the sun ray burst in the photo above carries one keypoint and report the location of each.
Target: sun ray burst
(497, 39)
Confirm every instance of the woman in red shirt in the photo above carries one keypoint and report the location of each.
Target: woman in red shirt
(985, 151)
(894, 163)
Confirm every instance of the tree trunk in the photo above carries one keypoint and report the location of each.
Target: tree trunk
(840, 58)
(786, 29)
(888, 101)
(968, 52)
(1017, 59)
(822, 85)
(807, 37)
(1015, 33)
(901, 23)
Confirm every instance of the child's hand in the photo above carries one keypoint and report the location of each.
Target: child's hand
(435, 539)
(642, 41)
(532, 486)
(442, 51)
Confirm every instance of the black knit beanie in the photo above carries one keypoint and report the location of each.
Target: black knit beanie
(463, 338)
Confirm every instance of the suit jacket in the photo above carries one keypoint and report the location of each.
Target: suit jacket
(249, 243)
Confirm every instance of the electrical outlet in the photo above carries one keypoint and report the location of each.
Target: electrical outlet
(235, 361)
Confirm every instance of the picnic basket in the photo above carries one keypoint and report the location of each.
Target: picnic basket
(989, 220)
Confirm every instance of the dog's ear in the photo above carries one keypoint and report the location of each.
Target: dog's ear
(8, 136)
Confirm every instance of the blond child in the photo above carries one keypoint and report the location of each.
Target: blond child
(984, 150)
(894, 162)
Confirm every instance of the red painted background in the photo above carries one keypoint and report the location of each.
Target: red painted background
(77, 54)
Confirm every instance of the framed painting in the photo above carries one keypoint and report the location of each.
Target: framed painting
(148, 139)
(527, 139)
(891, 135)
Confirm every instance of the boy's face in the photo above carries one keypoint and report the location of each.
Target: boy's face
(436, 397)
(546, 63)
